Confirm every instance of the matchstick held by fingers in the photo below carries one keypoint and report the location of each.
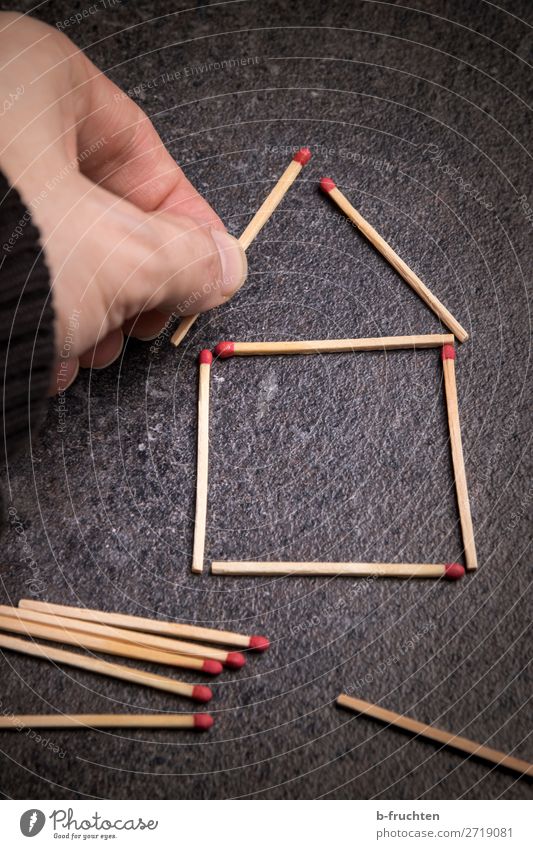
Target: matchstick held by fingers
(122, 621)
(328, 186)
(450, 571)
(202, 462)
(225, 350)
(462, 744)
(103, 667)
(88, 721)
(183, 328)
(452, 406)
(269, 205)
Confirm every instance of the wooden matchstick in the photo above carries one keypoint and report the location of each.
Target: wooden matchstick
(202, 461)
(224, 350)
(150, 626)
(183, 328)
(103, 667)
(267, 208)
(328, 186)
(452, 406)
(462, 744)
(450, 571)
(88, 721)
(31, 625)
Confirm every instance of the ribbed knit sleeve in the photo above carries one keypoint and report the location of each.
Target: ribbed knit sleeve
(26, 324)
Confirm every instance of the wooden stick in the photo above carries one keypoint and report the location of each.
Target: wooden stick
(327, 185)
(450, 571)
(103, 667)
(141, 623)
(224, 350)
(259, 220)
(183, 328)
(450, 390)
(462, 744)
(88, 721)
(202, 462)
(85, 635)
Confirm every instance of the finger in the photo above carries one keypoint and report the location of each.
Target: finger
(146, 325)
(66, 372)
(162, 262)
(192, 268)
(127, 156)
(105, 352)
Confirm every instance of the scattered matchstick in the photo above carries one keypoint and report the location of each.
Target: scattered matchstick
(21, 622)
(462, 744)
(88, 721)
(103, 667)
(450, 571)
(328, 186)
(202, 461)
(151, 626)
(224, 350)
(267, 208)
(452, 406)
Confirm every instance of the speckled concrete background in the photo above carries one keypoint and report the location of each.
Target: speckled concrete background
(418, 113)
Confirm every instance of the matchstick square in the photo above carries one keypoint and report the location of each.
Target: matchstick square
(449, 571)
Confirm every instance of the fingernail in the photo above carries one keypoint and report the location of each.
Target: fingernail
(233, 262)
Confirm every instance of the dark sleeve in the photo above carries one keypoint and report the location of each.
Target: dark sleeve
(26, 325)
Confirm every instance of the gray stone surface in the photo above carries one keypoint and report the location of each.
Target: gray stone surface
(418, 114)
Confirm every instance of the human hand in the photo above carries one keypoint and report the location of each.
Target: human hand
(127, 238)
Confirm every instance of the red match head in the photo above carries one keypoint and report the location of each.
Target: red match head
(448, 352)
(203, 721)
(212, 667)
(201, 693)
(453, 571)
(259, 643)
(235, 660)
(205, 357)
(302, 156)
(224, 350)
(327, 185)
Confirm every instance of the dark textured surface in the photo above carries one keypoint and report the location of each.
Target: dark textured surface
(418, 114)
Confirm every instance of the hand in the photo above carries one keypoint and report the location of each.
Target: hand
(127, 238)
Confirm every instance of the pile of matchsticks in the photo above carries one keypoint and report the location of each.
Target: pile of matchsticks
(165, 642)
(137, 638)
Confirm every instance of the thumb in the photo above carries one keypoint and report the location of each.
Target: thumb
(192, 267)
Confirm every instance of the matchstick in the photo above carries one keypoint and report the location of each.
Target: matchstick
(328, 186)
(267, 208)
(462, 744)
(103, 667)
(452, 406)
(88, 721)
(183, 328)
(21, 622)
(224, 350)
(202, 461)
(151, 626)
(450, 571)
